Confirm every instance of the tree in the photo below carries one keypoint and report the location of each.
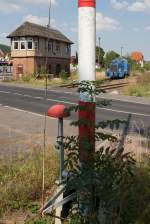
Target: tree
(110, 55)
(134, 66)
(100, 56)
(5, 48)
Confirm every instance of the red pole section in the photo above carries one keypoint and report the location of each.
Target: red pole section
(86, 69)
(86, 3)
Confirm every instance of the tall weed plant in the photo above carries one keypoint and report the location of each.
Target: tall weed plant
(111, 187)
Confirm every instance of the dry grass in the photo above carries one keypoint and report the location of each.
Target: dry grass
(21, 180)
(141, 87)
(30, 80)
(39, 82)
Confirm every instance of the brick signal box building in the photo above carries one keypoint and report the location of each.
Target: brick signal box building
(35, 48)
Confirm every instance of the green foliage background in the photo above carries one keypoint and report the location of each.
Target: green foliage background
(5, 48)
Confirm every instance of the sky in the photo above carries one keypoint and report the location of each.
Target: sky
(119, 23)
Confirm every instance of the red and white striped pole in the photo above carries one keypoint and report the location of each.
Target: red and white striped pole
(86, 69)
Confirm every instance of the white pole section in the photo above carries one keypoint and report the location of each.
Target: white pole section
(86, 69)
(87, 39)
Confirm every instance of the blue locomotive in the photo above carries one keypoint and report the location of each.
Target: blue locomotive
(119, 68)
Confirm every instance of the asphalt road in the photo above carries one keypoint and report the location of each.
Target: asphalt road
(34, 100)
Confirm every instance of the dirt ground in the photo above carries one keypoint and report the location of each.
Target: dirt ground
(20, 130)
(100, 75)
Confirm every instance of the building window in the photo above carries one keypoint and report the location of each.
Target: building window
(67, 49)
(50, 45)
(57, 47)
(36, 45)
(22, 45)
(30, 44)
(16, 45)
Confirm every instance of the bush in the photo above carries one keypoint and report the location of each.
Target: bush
(135, 67)
(136, 203)
(64, 75)
(147, 66)
(121, 189)
(26, 78)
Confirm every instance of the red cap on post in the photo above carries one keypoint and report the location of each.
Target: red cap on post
(58, 111)
(87, 3)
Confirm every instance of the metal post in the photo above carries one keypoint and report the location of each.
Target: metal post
(58, 200)
(99, 40)
(61, 158)
(61, 148)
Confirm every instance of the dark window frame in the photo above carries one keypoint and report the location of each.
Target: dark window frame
(16, 42)
(23, 42)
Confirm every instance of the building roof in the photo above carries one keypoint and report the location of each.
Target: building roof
(137, 56)
(34, 30)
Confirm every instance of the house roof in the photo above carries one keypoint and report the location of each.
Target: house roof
(137, 56)
(34, 30)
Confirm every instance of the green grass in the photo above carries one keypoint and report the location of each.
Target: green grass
(45, 220)
(138, 90)
(21, 180)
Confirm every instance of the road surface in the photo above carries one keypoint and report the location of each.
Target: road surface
(35, 101)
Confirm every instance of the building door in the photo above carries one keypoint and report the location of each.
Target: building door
(49, 69)
(20, 69)
(58, 69)
(67, 69)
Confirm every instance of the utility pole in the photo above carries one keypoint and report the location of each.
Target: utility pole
(121, 50)
(49, 15)
(99, 54)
